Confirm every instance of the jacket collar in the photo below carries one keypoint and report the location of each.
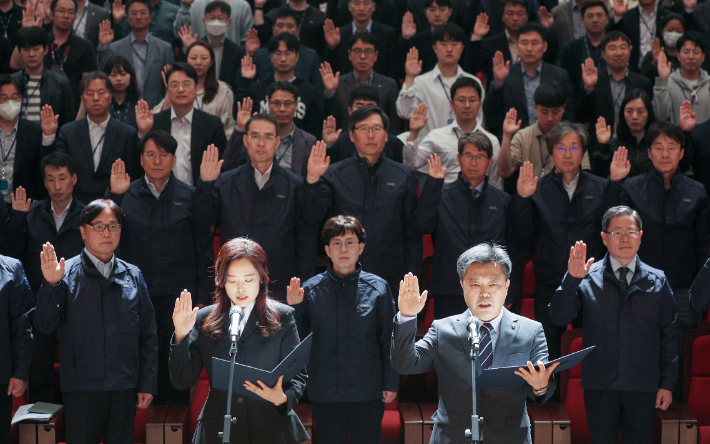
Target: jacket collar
(658, 177)
(342, 280)
(508, 331)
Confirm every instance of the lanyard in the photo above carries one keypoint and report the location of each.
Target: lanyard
(99, 143)
(6, 23)
(447, 95)
(78, 22)
(652, 32)
(2, 150)
(543, 161)
(618, 96)
(142, 59)
(589, 52)
(692, 98)
(56, 55)
(200, 104)
(288, 147)
(30, 95)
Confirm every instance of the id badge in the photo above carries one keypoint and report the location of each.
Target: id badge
(449, 121)
(3, 185)
(58, 70)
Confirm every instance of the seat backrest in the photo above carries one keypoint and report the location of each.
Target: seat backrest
(571, 392)
(698, 397)
(139, 425)
(527, 299)
(202, 389)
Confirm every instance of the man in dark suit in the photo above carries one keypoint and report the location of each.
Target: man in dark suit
(337, 38)
(96, 141)
(514, 85)
(308, 24)
(363, 54)
(604, 89)
(628, 313)
(193, 129)
(295, 144)
(641, 24)
(506, 340)
(88, 19)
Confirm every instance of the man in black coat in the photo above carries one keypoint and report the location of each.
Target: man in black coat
(307, 25)
(96, 141)
(642, 24)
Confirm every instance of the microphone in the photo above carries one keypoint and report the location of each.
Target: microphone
(472, 328)
(235, 314)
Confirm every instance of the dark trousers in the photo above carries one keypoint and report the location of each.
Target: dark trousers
(363, 419)
(89, 415)
(167, 393)
(41, 383)
(686, 319)
(5, 414)
(446, 305)
(553, 333)
(609, 411)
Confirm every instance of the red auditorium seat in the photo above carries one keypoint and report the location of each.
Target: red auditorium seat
(571, 392)
(527, 299)
(695, 419)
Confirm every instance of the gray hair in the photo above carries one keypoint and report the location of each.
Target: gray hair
(562, 129)
(621, 210)
(477, 139)
(485, 253)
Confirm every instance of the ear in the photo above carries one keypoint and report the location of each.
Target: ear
(544, 47)
(204, 20)
(351, 136)
(73, 179)
(83, 232)
(362, 247)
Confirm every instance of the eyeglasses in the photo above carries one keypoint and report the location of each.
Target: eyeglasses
(185, 85)
(479, 158)
(564, 149)
(631, 233)
(151, 155)
(348, 245)
(464, 101)
(101, 227)
(255, 139)
(375, 130)
(359, 52)
(279, 54)
(287, 104)
(14, 98)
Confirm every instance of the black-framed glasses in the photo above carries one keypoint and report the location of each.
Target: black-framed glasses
(631, 233)
(101, 227)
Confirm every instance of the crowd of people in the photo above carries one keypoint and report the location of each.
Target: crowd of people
(132, 135)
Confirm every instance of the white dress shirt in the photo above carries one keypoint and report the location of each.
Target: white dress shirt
(96, 135)
(615, 265)
(153, 189)
(261, 179)
(59, 218)
(104, 268)
(181, 130)
(247, 312)
(572, 186)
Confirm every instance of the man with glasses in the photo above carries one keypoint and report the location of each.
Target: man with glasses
(161, 236)
(629, 316)
(676, 212)
(96, 141)
(374, 189)
(193, 129)
(260, 200)
(147, 53)
(108, 345)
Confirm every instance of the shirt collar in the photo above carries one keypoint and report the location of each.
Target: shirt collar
(368, 27)
(259, 176)
(369, 79)
(101, 266)
(573, 183)
(508, 37)
(611, 77)
(63, 213)
(437, 72)
(495, 322)
(247, 311)
(133, 38)
(538, 70)
(101, 126)
(153, 189)
(615, 265)
(293, 131)
(187, 116)
(14, 129)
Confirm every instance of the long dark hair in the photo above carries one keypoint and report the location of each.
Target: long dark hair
(211, 85)
(623, 132)
(265, 307)
(120, 63)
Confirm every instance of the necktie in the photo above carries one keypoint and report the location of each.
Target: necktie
(623, 280)
(474, 193)
(485, 352)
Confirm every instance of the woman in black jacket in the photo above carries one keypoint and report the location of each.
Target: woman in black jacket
(268, 335)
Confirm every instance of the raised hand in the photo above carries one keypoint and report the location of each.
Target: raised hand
(118, 10)
(259, 3)
(332, 34)
(656, 49)
(20, 202)
(186, 35)
(546, 18)
(28, 17)
(511, 125)
(211, 165)
(144, 117)
(244, 112)
(274, 395)
(620, 166)
(105, 32)
(248, 67)
(294, 292)
(120, 180)
(184, 316)
(331, 133)
(188, 2)
(419, 118)
(620, 8)
(578, 265)
(413, 66)
(330, 81)
(252, 43)
(318, 162)
(590, 76)
(435, 169)
(603, 130)
(164, 73)
(409, 28)
(410, 302)
(527, 182)
(664, 66)
(538, 378)
(687, 119)
(50, 122)
(52, 270)
(501, 68)
(481, 28)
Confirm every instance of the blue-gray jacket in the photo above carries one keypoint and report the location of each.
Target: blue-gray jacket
(16, 306)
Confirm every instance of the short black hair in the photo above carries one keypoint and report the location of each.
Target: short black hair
(161, 138)
(368, 93)
(594, 4)
(94, 75)
(218, 4)
(463, 82)
(691, 36)
(7, 79)
(262, 116)
(614, 36)
(339, 226)
(449, 31)
(58, 159)
(282, 86)
(285, 12)
(96, 207)
(31, 37)
(550, 95)
(292, 42)
(53, 5)
(181, 67)
(365, 37)
(532, 27)
(446, 3)
(523, 3)
(130, 3)
(667, 129)
(363, 113)
(672, 16)
(121, 63)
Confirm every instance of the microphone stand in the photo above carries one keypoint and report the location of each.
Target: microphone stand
(228, 418)
(475, 433)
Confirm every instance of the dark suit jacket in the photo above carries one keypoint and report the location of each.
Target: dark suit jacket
(386, 41)
(445, 348)
(16, 321)
(512, 95)
(94, 16)
(573, 55)
(236, 153)
(120, 142)
(28, 157)
(232, 54)
(258, 421)
(54, 90)
(206, 130)
(311, 28)
(388, 89)
(629, 25)
(306, 68)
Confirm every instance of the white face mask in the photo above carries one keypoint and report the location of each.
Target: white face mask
(10, 109)
(216, 27)
(671, 38)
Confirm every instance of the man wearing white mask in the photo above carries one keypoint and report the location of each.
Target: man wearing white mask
(190, 14)
(22, 142)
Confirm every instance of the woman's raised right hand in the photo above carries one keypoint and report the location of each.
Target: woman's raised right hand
(184, 316)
